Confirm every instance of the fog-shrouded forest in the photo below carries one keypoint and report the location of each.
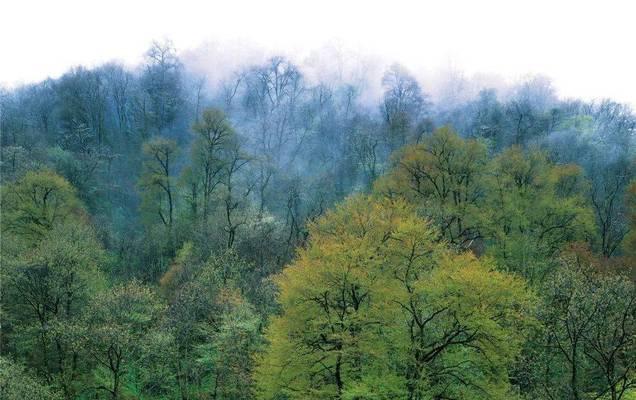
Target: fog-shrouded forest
(272, 233)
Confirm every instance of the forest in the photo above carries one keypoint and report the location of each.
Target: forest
(273, 235)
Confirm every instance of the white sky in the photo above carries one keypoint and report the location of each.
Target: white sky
(588, 48)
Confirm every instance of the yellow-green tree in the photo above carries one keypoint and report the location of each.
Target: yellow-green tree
(33, 205)
(375, 307)
(51, 265)
(444, 177)
(518, 207)
(535, 208)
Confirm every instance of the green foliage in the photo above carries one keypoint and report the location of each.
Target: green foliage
(216, 328)
(225, 355)
(518, 207)
(144, 234)
(629, 244)
(157, 180)
(445, 177)
(16, 384)
(15, 162)
(374, 295)
(589, 319)
(214, 136)
(535, 209)
(52, 285)
(34, 204)
(121, 323)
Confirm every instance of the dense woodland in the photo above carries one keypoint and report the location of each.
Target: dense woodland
(274, 237)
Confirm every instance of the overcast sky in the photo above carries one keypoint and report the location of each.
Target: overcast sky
(588, 48)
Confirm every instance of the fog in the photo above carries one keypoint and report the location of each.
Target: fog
(582, 46)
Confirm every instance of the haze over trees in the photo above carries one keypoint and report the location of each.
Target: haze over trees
(268, 234)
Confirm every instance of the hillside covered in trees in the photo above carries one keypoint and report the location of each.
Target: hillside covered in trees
(167, 235)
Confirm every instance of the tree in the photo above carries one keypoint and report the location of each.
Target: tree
(216, 328)
(120, 323)
(42, 104)
(444, 177)
(374, 305)
(528, 110)
(535, 208)
(589, 323)
(271, 100)
(610, 342)
(79, 159)
(119, 84)
(33, 205)
(226, 352)
(629, 243)
(191, 288)
(365, 143)
(235, 196)
(488, 120)
(609, 185)
(599, 138)
(15, 163)
(16, 384)
(402, 105)
(518, 206)
(217, 163)
(51, 286)
(156, 182)
(214, 136)
(82, 102)
(162, 84)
